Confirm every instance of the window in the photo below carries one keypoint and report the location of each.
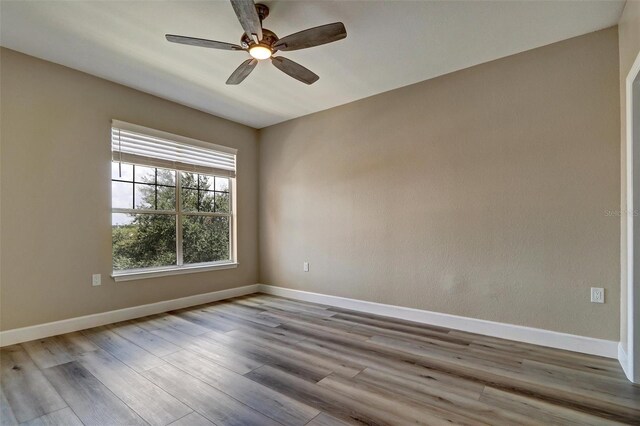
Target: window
(172, 203)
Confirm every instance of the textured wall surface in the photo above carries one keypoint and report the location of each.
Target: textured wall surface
(482, 193)
(56, 202)
(629, 39)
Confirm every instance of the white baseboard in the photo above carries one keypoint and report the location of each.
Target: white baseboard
(624, 361)
(25, 334)
(519, 333)
(537, 336)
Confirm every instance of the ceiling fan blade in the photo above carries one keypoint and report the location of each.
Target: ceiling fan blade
(248, 17)
(312, 37)
(242, 71)
(294, 70)
(191, 41)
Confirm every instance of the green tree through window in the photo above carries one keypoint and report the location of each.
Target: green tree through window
(146, 217)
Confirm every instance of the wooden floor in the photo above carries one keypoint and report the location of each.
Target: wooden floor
(264, 360)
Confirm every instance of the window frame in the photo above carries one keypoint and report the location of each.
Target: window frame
(179, 213)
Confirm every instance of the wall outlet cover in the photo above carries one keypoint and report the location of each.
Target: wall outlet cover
(96, 280)
(597, 295)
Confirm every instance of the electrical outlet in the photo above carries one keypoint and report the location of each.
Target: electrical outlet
(305, 266)
(597, 295)
(96, 280)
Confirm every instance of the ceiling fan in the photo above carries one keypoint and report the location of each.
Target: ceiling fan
(262, 43)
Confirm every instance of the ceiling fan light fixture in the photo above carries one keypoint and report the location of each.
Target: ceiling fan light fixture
(260, 51)
(262, 43)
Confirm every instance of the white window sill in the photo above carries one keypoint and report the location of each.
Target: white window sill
(176, 270)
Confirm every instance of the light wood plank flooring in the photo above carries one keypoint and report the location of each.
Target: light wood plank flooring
(265, 360)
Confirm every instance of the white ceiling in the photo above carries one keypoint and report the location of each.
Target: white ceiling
(389, 44)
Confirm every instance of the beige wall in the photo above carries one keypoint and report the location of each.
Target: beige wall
(629, 39)
(480, 193)
(55, 177)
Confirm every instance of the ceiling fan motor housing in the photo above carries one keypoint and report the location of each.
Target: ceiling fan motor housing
(268, 39)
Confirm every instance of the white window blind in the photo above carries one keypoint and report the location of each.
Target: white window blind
(140, 145)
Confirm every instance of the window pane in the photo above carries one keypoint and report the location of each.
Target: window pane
(143, 240)
(166, 198)
(166, 177)
(189, 200)
(121, 171)
(145, 174)
(205, 182)
(205, 239)
(121, 195)
(222, 184)
(207, 201)
(189, 180)
(222, 202)
(145, 196)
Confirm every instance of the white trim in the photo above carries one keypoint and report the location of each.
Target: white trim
(624, 361)
(631, 362)
(132, 275)
(537, 336)
(25, 334)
